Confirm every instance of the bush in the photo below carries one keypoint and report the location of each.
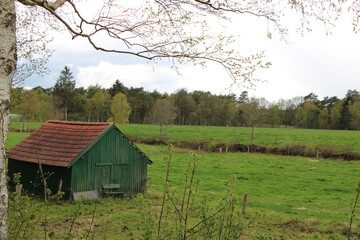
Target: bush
(310, 150)
(271, 148)
(296, 150)
(327, 152)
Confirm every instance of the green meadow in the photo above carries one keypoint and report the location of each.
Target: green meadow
(341, 140)
(288, 197)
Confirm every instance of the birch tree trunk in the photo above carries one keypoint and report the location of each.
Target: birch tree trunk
(7, 70)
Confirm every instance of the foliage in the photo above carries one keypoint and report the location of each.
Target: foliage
(163, 113)
(197, 108)
(355, 115)
(183, 216)
(32, 42)
(96, 106)
(35, 105)
(64, 90)
(289, 198)
(120, 108)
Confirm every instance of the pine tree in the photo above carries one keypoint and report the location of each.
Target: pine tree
(64, 91)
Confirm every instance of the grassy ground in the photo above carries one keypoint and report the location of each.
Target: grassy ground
(339, 139)
(289, 197)
(24, 126)
(263, 136)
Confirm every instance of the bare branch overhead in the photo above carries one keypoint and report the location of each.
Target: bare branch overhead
(183, 31)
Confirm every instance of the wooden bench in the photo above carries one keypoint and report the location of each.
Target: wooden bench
(112, 190)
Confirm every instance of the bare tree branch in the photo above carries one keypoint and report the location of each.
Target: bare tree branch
(177, 30)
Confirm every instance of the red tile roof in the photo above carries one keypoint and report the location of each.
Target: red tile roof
(57, 142)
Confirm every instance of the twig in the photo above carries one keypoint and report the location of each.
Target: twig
(353, 210)
(188, 198)
(164, 195)
(92, 222)
(204, 220)
(172, 201)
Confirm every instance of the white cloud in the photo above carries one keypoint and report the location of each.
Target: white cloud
(161, 78)
(325, 65)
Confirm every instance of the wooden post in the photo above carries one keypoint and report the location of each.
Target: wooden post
(227, 149)
(18, 190)
(42, 176)
(220, 150)
(244, 203)
(59, 190)
(317, 153)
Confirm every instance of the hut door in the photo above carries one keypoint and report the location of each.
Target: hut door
(122, 176)
(103, 175)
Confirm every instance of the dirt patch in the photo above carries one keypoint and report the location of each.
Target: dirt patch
(298, 225)
(313, 160)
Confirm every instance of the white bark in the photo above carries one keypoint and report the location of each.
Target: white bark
(7, 69)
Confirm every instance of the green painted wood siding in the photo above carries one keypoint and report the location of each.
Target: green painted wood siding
(111, 160)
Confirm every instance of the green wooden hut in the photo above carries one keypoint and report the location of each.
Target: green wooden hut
(85, 157)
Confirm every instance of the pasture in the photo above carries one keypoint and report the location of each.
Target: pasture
(289, 197)
(341, 140)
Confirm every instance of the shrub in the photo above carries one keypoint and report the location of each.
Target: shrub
(271, 148)
(310, 150)
(327, 152)
(297, 150)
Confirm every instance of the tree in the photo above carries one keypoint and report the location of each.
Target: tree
(76, 112)
(324, 118)
(307, 115)
(17, 96)
(138, 100)
(244, 97)
(274, 115)
(228, 110)
(355, 115)
(36, 105)
(7, 70)
(185, 105)
(64, 90)
(97, 105)
(120, 108)
(345, 119)
(117, 87)
(156, 30)
(252, 113)
(311, 97)
(335, 115)
(289, 107)
(163, 113)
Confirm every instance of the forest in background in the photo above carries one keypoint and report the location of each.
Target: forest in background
(65, 101)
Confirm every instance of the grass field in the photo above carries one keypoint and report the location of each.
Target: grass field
(339, 139)
(289, 197)
(263, 136)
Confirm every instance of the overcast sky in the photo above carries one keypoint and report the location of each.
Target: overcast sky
(315, 62)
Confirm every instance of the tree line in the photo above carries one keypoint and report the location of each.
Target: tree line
(136, 105)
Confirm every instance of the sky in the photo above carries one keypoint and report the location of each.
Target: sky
(327, 65)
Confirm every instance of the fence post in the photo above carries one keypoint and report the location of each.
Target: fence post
(244, 203)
